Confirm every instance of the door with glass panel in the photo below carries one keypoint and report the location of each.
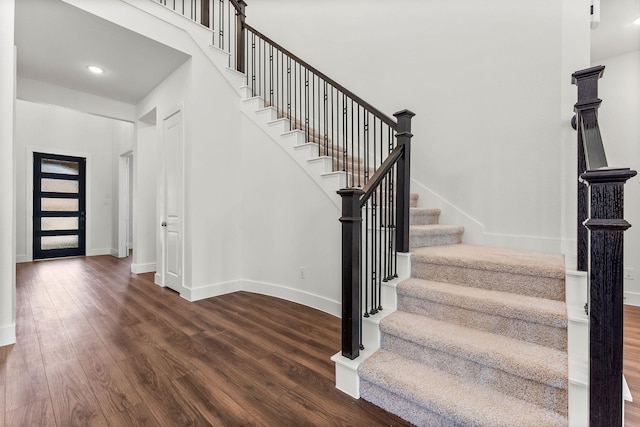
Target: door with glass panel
(58, 205)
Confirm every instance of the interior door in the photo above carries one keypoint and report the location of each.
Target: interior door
(173, 149)
(59, 221)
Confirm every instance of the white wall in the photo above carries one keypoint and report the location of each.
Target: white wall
(619, 114)
(486, 81)
(288, 224)
(7, 181)
(58, 130)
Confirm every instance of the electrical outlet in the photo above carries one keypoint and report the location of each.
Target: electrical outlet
(302, 273)
(628, 273)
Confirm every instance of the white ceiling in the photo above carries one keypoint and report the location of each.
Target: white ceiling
(616, 33)
(56, 41)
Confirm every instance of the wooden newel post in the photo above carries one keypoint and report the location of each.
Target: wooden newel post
(351, 238)
(403, 194)
(240, 34)
(606, 227)
(587, 82)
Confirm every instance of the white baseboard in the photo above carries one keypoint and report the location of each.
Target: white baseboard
(157, 279)
(8, 334)
(143, 268)
(283, 292)
(23, 258)
(632, 298)
(97, 252)
(114, 253)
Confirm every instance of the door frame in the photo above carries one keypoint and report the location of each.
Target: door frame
(125, 163)
(29, 195)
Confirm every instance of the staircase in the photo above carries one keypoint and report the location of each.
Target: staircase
(479, 337)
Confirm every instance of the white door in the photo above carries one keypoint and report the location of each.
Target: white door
(172, 130)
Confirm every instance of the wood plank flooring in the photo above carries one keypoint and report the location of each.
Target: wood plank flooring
(99, 346)
(632, 364)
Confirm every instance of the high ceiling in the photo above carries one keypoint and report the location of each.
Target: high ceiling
(56, 42)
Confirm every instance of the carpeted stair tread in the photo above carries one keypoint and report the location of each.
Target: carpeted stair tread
(496, 259)
(423, 216)
(434, 235)
(505, 304)
(520, 358)
(526, 273)
(463, 402)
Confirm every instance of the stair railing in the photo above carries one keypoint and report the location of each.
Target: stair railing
(370, 148)
(600, 252)
(225, 18)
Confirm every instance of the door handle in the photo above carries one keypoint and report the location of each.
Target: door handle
(164, 224)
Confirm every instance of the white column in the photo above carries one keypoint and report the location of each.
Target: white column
(7, 185)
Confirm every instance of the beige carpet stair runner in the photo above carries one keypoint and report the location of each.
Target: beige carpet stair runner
(479, 337)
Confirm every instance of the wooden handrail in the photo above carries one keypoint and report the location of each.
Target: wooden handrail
(380, 173)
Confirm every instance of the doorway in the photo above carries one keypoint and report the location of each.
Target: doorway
(59, 200)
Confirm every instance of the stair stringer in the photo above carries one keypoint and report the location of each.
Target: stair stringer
(347, 378)
(292, 142)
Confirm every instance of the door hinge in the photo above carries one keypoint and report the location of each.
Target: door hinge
(586, 308)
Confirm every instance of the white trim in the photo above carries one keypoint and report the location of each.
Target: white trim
(125, 163)
(114, 253)
(632, 298)
(8, 334)
(97, 252)
(143, 268)
(271, 289)
(29, 196)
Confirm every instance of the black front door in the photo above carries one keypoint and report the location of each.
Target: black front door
(58, 205)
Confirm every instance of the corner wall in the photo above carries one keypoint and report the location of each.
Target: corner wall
(7, 182)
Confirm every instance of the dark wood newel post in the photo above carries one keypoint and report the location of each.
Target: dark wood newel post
(351, 237)
(587, 82)
(240, 34)
(403, 195)
(606, 227)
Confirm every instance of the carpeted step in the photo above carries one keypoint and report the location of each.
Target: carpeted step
(423, 216)
(535, 320)
(429, 397)
(527, 371)
(434, 235)
(522, 272)
(413, 201)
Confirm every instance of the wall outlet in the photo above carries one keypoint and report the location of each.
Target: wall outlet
(628, 273)
(302, 273)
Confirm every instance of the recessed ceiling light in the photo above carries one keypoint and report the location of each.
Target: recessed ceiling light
(95, 69)
(637, 21)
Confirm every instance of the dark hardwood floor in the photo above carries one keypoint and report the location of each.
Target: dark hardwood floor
(98, 345)
(632, 364)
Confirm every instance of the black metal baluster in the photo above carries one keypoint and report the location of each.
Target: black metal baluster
(313, 130)
(306, 104)
(344, 137)
(326, 120)
(254, 88)
(289, 92)
(221, 24)
(270, 75)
